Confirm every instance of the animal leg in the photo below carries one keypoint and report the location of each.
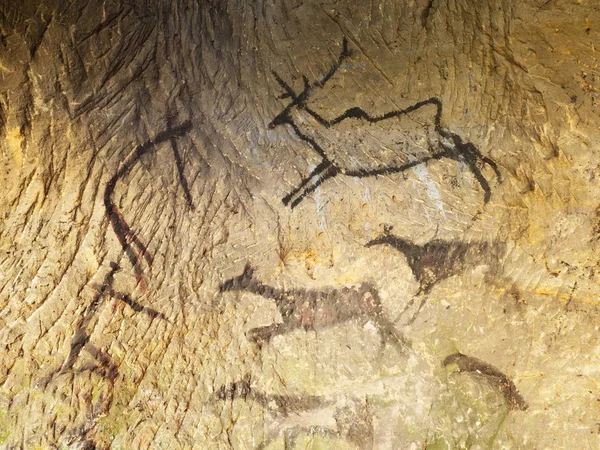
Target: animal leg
(474, 154)
(290, 435)
(289, 439)
(423, 292)
(389, 333)
(408, 305)
(414, 316)
(267, 441)
(317, 170)
(261, 335)
(480, 178)
(322, 172)
(471, 155)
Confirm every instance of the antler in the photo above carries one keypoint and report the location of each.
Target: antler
(343, 55)
(289, 92)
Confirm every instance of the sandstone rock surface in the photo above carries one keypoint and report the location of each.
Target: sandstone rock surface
(326, 224)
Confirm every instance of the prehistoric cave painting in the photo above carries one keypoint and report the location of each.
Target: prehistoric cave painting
(152, 313)
(438, 260)
(495, 377)
(296, 415)
(376, 146)
(135, 250)
(283, 405)
(316, 309)
(80, 339)
(180, 169)
(106, 368)
(132, 245)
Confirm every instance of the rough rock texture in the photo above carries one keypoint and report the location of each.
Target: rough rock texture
(299, 224)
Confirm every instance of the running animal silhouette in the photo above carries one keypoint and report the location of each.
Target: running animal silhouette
(316, 309)
(376, 146)
(294, 415)
(438, 260)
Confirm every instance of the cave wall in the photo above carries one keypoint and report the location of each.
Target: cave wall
(299, 224)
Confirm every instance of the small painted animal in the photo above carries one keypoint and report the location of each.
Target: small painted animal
(281, 405)
(359, 144)
(316, 309)
(343, 418)
(495, 377)
(438, 260)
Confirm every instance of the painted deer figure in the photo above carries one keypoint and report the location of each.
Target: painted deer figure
(438, 260)
(377, 145)
(316, 309)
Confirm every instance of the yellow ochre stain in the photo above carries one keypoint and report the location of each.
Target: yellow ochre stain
(15, 144)
(565, 298)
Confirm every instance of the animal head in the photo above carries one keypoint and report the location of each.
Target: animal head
(299, 100)
(240, 282)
